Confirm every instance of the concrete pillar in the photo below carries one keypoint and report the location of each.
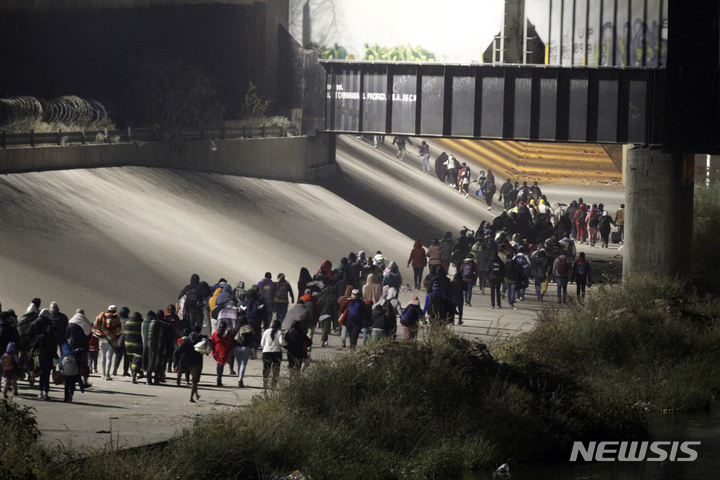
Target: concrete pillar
(658, 212)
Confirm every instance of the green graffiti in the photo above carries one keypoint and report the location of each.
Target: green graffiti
(401, 53)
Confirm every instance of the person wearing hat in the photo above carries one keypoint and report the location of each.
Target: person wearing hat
(107, 329)
(410, 319)
(59, 321)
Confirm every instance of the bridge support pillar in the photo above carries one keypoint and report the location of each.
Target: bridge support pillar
(658, 212)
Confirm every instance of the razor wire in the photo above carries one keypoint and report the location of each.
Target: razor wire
(65, 112)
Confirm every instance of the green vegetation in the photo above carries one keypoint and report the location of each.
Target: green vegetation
(401, 53)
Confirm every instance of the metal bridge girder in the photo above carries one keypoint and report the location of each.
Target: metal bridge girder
(498, 102)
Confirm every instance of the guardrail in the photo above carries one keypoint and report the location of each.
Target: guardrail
(106, 136)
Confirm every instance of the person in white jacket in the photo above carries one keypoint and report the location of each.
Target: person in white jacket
(271, 344)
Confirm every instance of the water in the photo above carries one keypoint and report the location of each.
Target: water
(702, 427)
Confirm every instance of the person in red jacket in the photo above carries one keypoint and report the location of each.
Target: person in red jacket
(309, 298)
(418, 258)
(222, 348)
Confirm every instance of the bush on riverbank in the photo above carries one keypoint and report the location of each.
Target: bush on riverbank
(651, 342)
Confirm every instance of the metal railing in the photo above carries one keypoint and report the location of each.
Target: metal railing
(106, 136)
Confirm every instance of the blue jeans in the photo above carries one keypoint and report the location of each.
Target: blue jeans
(511, 293)
(242, 355)
(562, 283)
(468, 291)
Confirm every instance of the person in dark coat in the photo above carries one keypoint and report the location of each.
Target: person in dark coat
(44, 342)
(297, 346)
(457, 295)
(159, 345)
(59, 321)
(191, 361)
(253, 313)
(303, 280)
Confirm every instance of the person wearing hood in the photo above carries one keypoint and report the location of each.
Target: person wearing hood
(132, 338)
(79, 331)
(59, 321)
(392, 297)
(194, 295)
(267, 288)
(418, 259)
(11, 368)
(283, 297)
(579, 220)
(253, 313)
(229, 315)
(410, 319)
(44, 342)
(469, 270)
(222, 349)
(326, 272)
(439, 307)
(372, 290)
(26, 320)
(358, 316)
(303, 280)
(69, 365)
(355, 265)
(604, 228)
(341, 301)
(298, 344)
(239, 293)
(189, 360)
(380, 314)
(157, 350)
(8, 332)
(458, 287)
(392, 277)
(120, 355)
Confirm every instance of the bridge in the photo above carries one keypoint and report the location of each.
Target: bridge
(665, 106)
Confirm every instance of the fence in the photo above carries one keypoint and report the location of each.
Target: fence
(33, 138)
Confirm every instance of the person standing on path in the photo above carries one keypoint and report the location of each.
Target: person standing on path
(418, 259)
(271, 344)
(581, 275)
(425, 154)
(400, 141)
(107, 330)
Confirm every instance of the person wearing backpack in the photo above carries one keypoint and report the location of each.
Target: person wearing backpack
(539, 270)
(561, 274)
(511, 278)
(581, 275)
(580, 224)
(469, 271)
(438, 307)
(195, 294)
(69, 365)
(11, 368)
(298, 344)
(495, 278)
(410, 319)
(357, 317)
(418, 259)
(190, 360)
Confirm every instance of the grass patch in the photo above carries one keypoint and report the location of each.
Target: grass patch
(651, 343)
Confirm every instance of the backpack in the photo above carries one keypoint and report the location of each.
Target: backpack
(70, 366)
(467, 270)
(355, 310)
(581, 270)
(383, 313)
(192, 299)
(496, 267)
(594, 220)
(8, 362)
(562, 267)
(407, 318)
(437, 306)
